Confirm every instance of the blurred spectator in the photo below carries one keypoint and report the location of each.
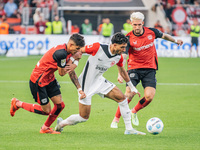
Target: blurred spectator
(2, 12)
(107, 31)
(168, 30)
(127, 27)
(40, 26)
(194, 33)
(57, 26)
(168, 12)
(36, 16)
(99, 29)
(75, 29)
(10, 8)
(159, 3)
(158, 26)
(86, 27)
(4, 26)
(16, 14)
(48, 29)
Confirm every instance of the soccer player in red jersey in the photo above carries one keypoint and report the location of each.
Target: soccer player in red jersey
(43, 84)
(142, 63)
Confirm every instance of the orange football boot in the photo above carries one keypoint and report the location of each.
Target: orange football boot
(49, 130)
(13, 107)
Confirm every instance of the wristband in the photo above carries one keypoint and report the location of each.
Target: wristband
(133, 89)
(79, 89)
(175, 41)
(72, 59)
(76, 62)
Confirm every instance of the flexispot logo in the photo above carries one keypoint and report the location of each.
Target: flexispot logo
(24, 43)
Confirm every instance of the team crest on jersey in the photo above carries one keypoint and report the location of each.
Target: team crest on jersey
(63, 62)
(135, 42)
(149, 37)
(112, 63)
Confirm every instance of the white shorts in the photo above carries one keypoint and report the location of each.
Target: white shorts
(101, 87)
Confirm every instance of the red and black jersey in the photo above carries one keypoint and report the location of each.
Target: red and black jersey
(141, 49)
(49, 63)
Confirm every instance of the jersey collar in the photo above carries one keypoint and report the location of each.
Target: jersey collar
(140, 34)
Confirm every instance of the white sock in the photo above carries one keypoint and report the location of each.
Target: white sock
(126, 114)
(72, 120)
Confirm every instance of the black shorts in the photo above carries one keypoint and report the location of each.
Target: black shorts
(146, 76)
(195, 41)
(41, 94)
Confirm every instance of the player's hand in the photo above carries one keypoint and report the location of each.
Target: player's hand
(133, 94)
(120, 79)
(70, 67)
(77, 55)
(83, 95)
(179, 42)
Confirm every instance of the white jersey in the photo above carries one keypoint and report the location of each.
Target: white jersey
(100, 60)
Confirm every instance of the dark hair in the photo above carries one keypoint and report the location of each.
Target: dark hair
(119, 38)
(78, 39)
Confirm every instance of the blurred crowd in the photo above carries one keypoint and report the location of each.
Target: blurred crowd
(45, 19)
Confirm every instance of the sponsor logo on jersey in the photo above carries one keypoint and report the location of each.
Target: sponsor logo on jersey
(149, 37)
(89, 46)
(63, 62)
(101, 68)
(143, 47)
(100, 59)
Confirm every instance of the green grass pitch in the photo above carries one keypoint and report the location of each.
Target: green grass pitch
(176, 103)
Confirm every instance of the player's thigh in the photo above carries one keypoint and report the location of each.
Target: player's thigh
(116, 94)
(134, 76)
(53, 91)
(84, 110)
(149, 78)
(39, 93)
(149, 93)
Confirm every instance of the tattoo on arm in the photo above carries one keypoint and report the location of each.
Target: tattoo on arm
(74, 79)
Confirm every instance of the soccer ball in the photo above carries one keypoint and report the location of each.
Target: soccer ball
(154, 125)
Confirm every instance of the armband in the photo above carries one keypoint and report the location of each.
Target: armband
(76, 62)
(133, 89)
(72, 59)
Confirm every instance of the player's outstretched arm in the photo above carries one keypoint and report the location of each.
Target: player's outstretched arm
(125, 76)
(74, 79)
(170, 38)
(120, 78)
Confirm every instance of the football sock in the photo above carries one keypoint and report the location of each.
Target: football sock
(118, 114)
(54, 114)
(72, 120)
(32, 108)
(126, 114)
(141, 104)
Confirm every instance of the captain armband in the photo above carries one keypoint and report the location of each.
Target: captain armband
(133, 89)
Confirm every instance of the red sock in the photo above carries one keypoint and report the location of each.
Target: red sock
(54, 114)
(118, 113)
(141, 104)
(35, 108)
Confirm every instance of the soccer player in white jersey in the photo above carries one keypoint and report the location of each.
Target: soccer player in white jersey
(101, 58)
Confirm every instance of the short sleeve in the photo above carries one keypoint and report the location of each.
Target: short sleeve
(120, 63)
(60, 57)
(92, 49)
(157, 32)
